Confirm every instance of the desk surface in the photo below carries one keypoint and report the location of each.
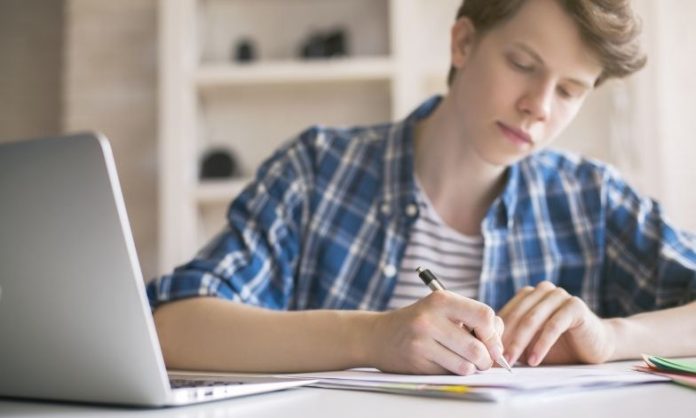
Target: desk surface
(651, 400)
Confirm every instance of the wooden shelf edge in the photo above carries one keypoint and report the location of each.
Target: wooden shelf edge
(289, 72)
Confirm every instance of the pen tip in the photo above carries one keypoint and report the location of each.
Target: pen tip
(505, 364)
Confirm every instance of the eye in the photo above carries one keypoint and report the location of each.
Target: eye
(520, 64)
(569, 92)
(563, 92)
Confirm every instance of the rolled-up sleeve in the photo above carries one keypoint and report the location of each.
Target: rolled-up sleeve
(650, 264)
(254, 258)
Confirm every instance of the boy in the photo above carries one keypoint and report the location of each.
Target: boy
(319, 254)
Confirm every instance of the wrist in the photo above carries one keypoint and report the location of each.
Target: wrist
(364, 338)
(621, 341)
(611, 329)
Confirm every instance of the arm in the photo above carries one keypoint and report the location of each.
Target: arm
(651, 266)
(219, 335)
(216, 334)
(668, 332)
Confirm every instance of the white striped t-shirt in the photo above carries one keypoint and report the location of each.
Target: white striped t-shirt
(456, 259)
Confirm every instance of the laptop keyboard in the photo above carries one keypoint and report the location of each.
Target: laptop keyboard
(200, 383)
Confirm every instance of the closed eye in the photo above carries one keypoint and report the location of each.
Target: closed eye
(526, 68)
(520, 65)
(570, 92)
(564, 93)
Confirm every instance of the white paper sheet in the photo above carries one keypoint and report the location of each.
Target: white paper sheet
(522, 378)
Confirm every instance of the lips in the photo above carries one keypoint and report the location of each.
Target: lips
(515, 135)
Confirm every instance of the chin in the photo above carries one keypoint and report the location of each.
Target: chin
(498, 152)
(505, 159)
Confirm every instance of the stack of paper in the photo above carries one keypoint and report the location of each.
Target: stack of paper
(680, 371)
(491, 385)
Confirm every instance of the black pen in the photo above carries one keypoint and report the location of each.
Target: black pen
(434, 284)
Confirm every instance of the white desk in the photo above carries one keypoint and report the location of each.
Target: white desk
(662, 400)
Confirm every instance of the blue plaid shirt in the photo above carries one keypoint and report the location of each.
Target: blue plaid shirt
(325, 225)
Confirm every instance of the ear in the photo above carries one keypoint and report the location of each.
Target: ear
(462, 37)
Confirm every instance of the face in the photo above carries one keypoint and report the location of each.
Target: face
(521, 83)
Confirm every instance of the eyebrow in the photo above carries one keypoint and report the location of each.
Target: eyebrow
(538, 58)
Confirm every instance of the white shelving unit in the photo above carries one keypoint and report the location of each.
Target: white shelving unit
(398, 55)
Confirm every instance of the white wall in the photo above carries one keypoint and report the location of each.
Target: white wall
(110, 86)
(664, 117)
(674, 107)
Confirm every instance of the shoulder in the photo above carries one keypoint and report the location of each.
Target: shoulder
(318, 140)
(325, 147)
(569, 174)
(321, 139)
(318, 151)
(574, 170)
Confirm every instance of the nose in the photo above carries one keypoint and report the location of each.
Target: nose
(536, 102)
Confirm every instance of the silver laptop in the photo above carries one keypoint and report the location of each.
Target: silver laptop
(75, 323)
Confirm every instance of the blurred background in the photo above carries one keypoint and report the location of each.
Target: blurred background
(194, 94)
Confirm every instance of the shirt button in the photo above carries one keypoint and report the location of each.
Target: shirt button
(389, 270)
(411, 210)
(385, 208)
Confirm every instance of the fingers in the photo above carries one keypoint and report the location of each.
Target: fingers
(515, 301)
(481, 320)
(446, 361)
(561, 321)
(523, 301)
(463, 356)
(460, 341)
(546, 319)
(420, 339)
(526, 324)
(477, 342)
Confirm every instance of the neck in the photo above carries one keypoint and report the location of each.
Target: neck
(460, 184)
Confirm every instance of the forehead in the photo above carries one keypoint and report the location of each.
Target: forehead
(545, 27)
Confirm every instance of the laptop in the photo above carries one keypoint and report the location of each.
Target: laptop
(75, 323)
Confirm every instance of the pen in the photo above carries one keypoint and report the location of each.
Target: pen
(434, 284)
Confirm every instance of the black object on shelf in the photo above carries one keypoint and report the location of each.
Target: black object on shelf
(326, 44)
(219, 164)
(335, 42)
(245, 50)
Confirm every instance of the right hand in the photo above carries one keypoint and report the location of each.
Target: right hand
(428, 337)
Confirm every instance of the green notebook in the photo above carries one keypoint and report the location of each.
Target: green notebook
(672, 365)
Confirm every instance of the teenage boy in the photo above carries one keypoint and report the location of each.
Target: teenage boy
(315, 269)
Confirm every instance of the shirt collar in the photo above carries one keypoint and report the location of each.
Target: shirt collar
(399, 182)
(511, 192)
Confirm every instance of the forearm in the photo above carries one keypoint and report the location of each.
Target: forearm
(668, 332)
(218, 335)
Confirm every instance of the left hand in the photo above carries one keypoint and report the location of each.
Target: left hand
(545, 323)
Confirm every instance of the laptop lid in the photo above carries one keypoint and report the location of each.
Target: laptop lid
(74, 318)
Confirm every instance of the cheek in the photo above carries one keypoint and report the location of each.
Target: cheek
(496, 91)
(562, 116)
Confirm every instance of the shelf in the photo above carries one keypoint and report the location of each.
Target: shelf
(220, 191)
(292, 72)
